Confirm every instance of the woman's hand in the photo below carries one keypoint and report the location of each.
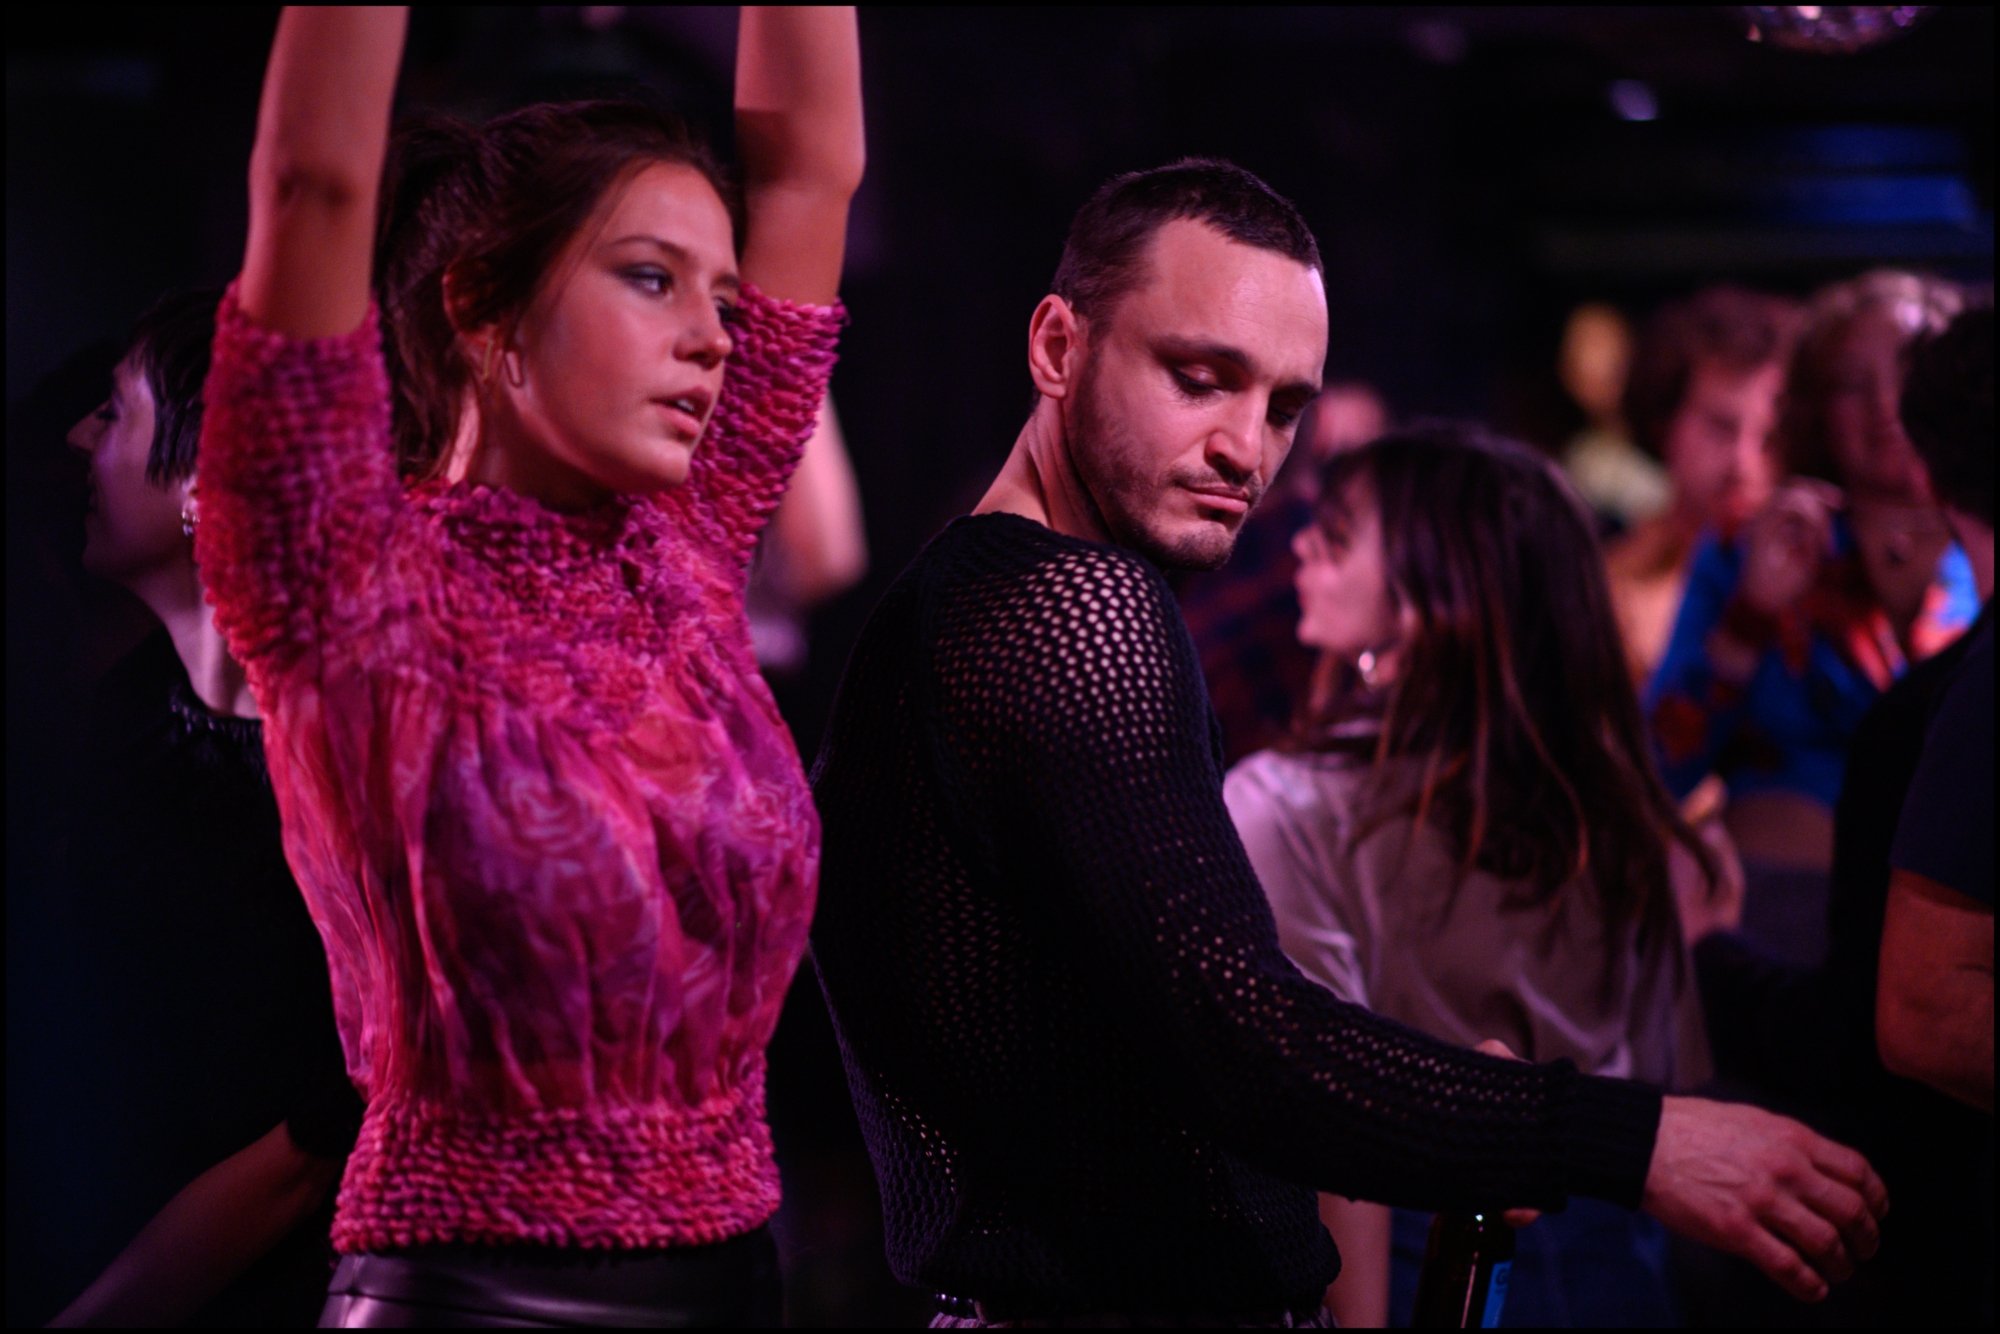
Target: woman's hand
(1786, 543)
(1706, 908)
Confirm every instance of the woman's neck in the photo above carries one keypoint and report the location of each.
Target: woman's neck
(175, 595)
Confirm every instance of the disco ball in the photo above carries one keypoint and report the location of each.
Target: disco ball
(1831, 29)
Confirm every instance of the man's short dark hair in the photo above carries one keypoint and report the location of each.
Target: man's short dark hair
(1947, 409)
(1730, 327)
(170, 347)
(1105, 255)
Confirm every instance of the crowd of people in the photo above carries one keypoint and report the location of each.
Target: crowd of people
(1203, 891)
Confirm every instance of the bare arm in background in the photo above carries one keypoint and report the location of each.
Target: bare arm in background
(1359, 1298)
(817, 546)
(1934, 996)
(219, 1224)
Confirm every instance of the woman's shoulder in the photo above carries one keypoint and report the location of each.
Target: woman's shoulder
(1313, 794)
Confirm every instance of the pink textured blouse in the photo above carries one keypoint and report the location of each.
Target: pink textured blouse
(541, 805)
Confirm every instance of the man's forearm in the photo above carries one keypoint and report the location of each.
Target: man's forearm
(1934, 1001)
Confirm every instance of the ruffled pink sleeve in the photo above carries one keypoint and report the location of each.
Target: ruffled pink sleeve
(778, 373)
(297, 484)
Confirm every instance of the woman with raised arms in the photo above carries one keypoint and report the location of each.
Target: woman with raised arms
(544, 813)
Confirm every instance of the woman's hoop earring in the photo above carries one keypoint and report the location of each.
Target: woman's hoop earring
(486, 361)
(1368, 665)
(187, 518)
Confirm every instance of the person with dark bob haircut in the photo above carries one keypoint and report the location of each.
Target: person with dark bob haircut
(541, 805)
(1093, 1088)
(219, 1060)
(1947, 409)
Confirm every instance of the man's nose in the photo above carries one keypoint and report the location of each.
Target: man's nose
(1235, 447)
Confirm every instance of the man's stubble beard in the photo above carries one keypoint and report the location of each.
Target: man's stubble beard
(1127, 499)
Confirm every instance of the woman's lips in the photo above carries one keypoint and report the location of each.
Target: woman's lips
(679, 417)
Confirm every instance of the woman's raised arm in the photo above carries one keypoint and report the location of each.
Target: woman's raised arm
(316, 170)
(799, 136)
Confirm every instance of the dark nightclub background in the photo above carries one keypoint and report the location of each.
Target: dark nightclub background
(1471, 173)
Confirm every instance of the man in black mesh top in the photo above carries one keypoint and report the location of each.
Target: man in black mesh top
(1092, 1086)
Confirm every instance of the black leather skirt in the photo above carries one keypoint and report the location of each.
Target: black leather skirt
(732, 1282)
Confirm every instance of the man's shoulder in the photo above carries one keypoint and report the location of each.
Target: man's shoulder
(1015, 569)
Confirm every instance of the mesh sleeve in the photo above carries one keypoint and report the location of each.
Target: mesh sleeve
(1074, 698)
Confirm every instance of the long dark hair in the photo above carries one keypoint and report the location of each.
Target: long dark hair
(493, 206)
(1512, 693)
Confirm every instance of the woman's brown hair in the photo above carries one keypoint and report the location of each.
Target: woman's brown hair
(492, 207)
(1512, 693)
(1919, 304)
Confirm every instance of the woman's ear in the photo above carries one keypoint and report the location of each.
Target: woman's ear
(457, 303)
(1408, 623)
(1389, 660)
(486, 343)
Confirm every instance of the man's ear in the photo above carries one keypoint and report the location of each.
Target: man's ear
(1055, 347)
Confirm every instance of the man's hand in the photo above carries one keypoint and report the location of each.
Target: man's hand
(1800, 1207)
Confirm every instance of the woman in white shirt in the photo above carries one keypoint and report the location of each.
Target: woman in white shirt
(1468, 834)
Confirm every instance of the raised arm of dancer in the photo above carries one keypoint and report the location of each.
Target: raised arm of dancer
(316, 169)
(202, 1239)
(799, 137)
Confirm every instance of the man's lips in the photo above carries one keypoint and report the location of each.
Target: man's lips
(1235, 502)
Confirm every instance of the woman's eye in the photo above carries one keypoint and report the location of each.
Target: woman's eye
(106, 412)
(655, 281)
(730, 312)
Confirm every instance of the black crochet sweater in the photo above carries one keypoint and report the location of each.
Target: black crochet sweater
(1089, 1079)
